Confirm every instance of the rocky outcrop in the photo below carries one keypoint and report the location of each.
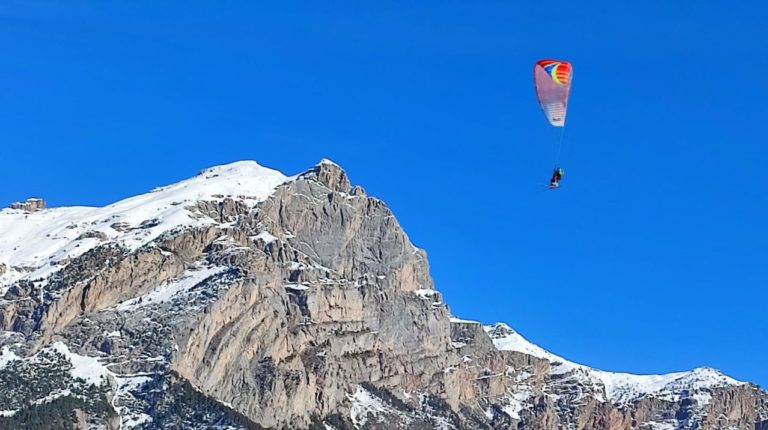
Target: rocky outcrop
(310, 309)
(30, 205)
(330, 303)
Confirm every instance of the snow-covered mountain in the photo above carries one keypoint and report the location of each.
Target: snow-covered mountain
(34, 245)
(245, 298)
(617, 387)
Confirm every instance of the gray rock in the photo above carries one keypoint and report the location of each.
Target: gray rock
(312, 308)
(30, 205)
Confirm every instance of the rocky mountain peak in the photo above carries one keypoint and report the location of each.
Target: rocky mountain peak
(243, 298)
(331, 175)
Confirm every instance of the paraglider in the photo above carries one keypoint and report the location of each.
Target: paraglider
(552, 79)
(557, 175)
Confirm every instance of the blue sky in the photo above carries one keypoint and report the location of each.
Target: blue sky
(653, 256)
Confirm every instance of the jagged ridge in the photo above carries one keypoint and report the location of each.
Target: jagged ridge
(298, 301)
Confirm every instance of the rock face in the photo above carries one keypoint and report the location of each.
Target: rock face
(30, 205)
(242, 298)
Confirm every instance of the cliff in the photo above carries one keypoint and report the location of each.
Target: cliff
(242, 298)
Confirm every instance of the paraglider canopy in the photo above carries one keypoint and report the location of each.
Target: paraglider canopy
(552, 79)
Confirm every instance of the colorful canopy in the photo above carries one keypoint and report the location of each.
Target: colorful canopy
(553, 81)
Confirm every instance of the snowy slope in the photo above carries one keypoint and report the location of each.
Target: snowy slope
(32, 245)
(619, 387)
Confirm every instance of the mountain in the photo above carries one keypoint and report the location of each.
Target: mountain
(246, 299)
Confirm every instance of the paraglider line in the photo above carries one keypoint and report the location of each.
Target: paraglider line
(559, 148)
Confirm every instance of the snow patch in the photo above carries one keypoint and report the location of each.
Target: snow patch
(363, 404)
(133, 421)
(6, 356)
(86, 368)
(489, 413)
(125, 385)
(515, 403)
(53, 396)
(425, 293)
(666, 425)
(328, 162)
(167, 291)
(463, 321)
(265, 237)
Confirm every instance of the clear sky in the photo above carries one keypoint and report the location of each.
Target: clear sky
(653, 257)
